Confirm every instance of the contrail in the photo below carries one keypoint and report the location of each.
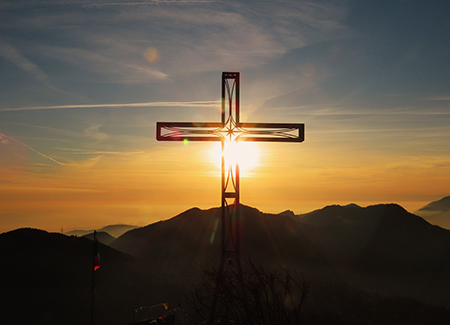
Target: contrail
(99, 152)
(154, 2)
(211, 103)
(34, 150)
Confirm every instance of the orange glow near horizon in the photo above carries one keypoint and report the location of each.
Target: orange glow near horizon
(160, 183)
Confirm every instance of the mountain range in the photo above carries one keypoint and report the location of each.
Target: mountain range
(360, 261)
(358, 245)
(113, 230)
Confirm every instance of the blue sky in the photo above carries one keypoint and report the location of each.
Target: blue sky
(83, 83)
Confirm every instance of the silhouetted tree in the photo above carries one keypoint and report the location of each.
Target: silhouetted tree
(262, 296)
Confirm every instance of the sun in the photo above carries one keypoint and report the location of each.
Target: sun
(243, 153)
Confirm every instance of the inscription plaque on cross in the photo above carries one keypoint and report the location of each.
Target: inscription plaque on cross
(230, 130)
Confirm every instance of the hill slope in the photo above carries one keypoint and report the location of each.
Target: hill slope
(47, 278)
(382, 237)
(384, 248)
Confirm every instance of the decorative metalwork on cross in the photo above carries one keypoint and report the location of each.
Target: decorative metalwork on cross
(230, 130)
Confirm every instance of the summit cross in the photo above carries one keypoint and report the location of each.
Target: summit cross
(230, 130)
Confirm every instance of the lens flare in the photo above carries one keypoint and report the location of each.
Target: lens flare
(151, 54)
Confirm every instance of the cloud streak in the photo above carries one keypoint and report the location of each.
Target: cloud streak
(146, 3)
(99, 152)
(318, 110)
(123, 105)
(442, 98)
(3, 136)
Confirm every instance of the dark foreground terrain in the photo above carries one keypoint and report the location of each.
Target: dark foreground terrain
(374, 265)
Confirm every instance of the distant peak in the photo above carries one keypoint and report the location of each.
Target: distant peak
(288, 213)
(391, 206)
(249, 207)
(352, 205)
(28, 230)
(337, 206)
(438, 205)
(187, 212)
(119, 225)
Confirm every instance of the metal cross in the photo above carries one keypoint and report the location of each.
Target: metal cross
(230, 130)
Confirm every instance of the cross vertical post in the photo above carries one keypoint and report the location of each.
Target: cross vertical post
(230, 172)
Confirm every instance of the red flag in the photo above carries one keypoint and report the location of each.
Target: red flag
(96, 253)
(97, 262)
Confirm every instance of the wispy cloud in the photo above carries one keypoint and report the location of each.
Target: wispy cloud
(146, 3)
(207, 37)
(99, 3)
(116, 61)
(99, 152)
(124, 105)
(320, 110)
(441, 98)
(94, 132)
(13, 55)
(438, 131)
(4, 137)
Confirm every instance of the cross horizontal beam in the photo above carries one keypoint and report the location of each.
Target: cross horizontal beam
(255, 132)
(180, 131)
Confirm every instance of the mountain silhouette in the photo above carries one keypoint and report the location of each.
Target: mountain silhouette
(376, 238)
(437, 212)
(382, 247)
(114, 230)
(193, 237)
(102, 236)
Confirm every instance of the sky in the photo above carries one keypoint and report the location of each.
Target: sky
(83, 83)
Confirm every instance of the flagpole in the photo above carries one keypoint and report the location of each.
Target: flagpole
(93, 276)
